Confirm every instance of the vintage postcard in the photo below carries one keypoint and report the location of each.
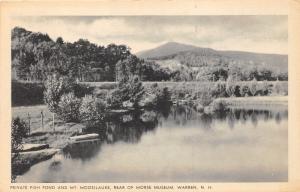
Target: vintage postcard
(150, 95)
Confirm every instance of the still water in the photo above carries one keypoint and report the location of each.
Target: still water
(177, 145)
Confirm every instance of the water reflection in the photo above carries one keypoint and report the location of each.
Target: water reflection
(126, 127)
(84, 151)
(251, 143)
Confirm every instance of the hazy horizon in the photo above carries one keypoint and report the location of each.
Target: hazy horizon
(261, 34)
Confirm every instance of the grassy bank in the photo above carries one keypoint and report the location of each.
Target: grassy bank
(269, 102)
(171, 84)
(182, 89)
(33, 113)
(27, 94)
(56, 137)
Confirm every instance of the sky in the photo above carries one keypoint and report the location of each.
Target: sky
(264, 34)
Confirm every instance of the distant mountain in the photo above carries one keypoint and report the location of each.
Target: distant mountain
(166, 49)
(194, 56)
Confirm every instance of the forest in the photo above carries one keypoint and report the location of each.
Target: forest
(36, 55)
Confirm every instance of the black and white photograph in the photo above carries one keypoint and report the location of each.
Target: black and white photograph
(149, 98)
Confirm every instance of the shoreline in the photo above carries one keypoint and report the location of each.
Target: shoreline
(254, 102)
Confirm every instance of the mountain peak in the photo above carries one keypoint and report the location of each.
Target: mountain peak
(173, 43)
(177, 44)
(168, 48)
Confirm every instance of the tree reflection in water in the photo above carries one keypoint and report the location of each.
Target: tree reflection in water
(129, 127)
(126, 127)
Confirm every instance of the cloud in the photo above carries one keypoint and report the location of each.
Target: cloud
(246, 33)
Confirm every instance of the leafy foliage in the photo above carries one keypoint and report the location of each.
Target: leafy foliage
(55, 87)
(35, 56)
(230, 87)
(19, 130)
(244, 91)
(127, 68)
(253, 87)
(151, 71)
(205, 97)
(130, 90)
(279, 88)
(162, 95)
(219, 89)
(68, 107)
(92, 110)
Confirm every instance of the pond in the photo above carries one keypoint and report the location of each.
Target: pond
(177, 145)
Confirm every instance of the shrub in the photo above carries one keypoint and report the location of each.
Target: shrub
(230, 86)
(92, 110)
(237, 89)
(129, 90)
(114, 99)
(270, 89)
(244, 91)
(265, 88)
(253, 87)
(69, 107)
(55, 87)
(276, 88)
(205, 97)
(162, 96)
(280, 88)
(230, 89)
(19, 130)
(219, 89)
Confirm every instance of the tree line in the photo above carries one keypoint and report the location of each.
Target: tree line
(36, 56)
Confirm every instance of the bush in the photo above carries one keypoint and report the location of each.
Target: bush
(280, 88)
(114, 99)
(69, 107)
(264, 88)
(19, 130)
(129, 90)
(92, 110)
(230, 86)
(253, 87)
(55, 87)
(205, 97)
(219, 89)
(230, 89)
(162, 95)
(244, 91)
